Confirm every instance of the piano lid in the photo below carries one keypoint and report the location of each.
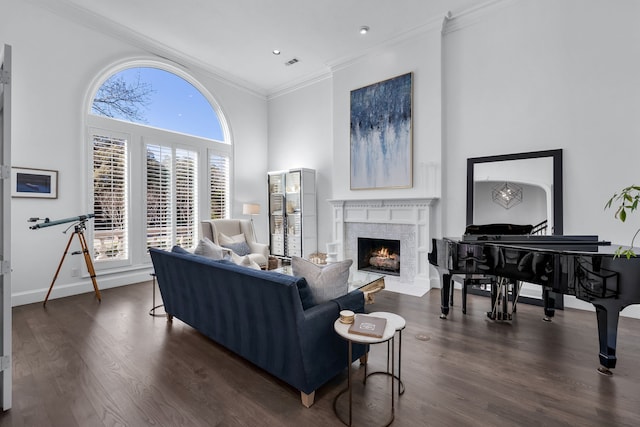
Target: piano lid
(535, 239)
(554, 243)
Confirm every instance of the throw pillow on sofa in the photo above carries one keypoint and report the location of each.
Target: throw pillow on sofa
(326, 282)
(179, 250)
(209, 249)
(237, 243)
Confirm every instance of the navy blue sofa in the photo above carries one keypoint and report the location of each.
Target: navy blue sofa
(266, 317)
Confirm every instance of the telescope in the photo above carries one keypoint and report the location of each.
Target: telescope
(48, 223)
(79, 228)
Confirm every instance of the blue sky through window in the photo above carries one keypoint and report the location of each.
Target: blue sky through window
(174, 104)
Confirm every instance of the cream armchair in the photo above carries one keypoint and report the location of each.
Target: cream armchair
(232, 227)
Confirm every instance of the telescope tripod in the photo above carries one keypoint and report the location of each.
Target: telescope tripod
(78, 231)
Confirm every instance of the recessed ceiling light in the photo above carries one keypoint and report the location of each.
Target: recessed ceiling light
(275, 52)
(364, 29)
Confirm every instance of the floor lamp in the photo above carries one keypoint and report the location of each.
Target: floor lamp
(251, 209)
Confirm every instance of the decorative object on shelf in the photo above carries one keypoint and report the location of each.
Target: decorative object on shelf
(507, 195)
(251, 209)
(318, 258)
(36, 183)
(381, 133)
(272, 263)
(332, 252)
(627, 200)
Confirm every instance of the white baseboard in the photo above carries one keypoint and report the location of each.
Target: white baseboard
(416, 288)
(82, 286)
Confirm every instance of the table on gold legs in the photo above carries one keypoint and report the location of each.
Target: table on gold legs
(342, 329)
(399, 324)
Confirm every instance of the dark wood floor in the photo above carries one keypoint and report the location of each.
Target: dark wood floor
(79, 363)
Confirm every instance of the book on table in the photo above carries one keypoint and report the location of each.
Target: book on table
(370, 326)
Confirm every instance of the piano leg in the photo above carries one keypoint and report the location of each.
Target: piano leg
(451, 291)
(446, 284)
(494, 298)
(549, 301)
(607, 313)
(465, 283)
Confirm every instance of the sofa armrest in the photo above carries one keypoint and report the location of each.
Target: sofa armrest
(323, 350)
(353, 301)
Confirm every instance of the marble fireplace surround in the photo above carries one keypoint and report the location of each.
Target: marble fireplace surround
(408, 220)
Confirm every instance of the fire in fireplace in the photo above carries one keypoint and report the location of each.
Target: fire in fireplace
(379, 255)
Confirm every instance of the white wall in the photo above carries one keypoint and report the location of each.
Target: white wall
(54, 64)
(310, 126)
(547, 74)
(300, 135)
(420, 55)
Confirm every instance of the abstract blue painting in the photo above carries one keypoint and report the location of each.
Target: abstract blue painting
(381, 143)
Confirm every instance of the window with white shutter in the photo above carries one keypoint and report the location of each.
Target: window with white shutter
(159, 197)
(110, 194)
(186, 199)
(219, 185)
(172, 202)
(158, 165)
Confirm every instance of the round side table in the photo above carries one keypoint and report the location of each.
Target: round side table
(342, 329)
(399, 324)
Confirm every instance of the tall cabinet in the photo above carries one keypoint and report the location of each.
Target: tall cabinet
(292, 213)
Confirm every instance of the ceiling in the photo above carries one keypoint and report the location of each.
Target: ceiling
(235, 38)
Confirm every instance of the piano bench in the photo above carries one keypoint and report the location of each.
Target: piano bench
(466, 281)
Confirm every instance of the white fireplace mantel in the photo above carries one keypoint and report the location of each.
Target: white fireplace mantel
(409, 217)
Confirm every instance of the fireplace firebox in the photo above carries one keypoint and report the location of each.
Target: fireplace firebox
(379, 255)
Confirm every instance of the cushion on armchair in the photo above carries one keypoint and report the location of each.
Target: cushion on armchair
(237, 243)
(244, 261)
(326, 282)
(225, 232)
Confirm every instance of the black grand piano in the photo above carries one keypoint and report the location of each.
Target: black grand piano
(568, 265)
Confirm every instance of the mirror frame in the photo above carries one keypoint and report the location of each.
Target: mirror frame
(556, 155)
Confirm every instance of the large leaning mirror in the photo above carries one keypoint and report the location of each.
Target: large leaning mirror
(521, 188)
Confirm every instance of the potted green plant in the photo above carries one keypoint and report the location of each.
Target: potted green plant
(627, 201)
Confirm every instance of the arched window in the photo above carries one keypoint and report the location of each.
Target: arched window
(158, 148)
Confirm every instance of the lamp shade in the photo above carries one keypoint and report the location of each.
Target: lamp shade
(250, 209)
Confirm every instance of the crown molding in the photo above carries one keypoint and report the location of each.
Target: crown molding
(465, 18)
(446, 24)
(307, 80)
(81, 16)
(409, 35)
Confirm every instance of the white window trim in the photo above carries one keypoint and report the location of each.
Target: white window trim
(138, 136)
(138, 257)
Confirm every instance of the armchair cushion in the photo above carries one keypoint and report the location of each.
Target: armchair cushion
(236, 231)
(230, 240)
(244, 261)
(241, 248)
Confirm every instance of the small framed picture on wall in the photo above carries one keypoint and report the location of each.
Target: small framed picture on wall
(34, 183)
